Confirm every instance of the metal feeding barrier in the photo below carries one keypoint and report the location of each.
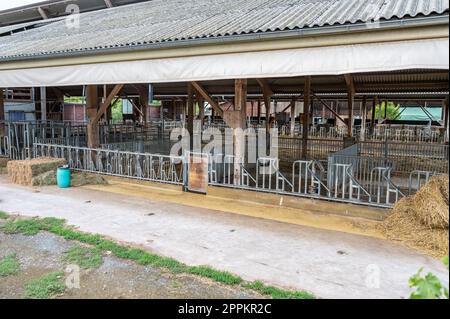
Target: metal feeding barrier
(347, 177)
(4, 146)
(143, 166)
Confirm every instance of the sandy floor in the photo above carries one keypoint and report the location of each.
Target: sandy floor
(330, 264)
(114, 279)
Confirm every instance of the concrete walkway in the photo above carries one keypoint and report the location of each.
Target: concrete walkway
(327, 263)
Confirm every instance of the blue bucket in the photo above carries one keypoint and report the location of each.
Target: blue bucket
(63, 178)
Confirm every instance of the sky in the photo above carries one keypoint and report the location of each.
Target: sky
(8, 4)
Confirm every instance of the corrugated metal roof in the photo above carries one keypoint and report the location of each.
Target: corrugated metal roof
(159, 21)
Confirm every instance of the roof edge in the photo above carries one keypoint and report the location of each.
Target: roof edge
(345, 35)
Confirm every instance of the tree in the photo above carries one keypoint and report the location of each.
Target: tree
(393, 111)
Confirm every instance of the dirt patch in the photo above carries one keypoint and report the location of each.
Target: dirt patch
(114, 279)
(23, 172)
(422, 221)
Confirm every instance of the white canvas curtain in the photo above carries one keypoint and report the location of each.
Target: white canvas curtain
(390, 56)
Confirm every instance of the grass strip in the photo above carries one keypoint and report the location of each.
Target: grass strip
(9, 265)
(46, 287)
(57, 226)
(85, 257)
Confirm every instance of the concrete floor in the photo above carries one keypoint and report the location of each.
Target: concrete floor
(328, 263)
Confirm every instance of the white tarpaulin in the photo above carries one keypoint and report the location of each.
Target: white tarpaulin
(423, 54)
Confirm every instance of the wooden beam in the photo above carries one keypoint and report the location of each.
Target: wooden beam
(108, 4)
(363, 118)
(267, 94)
(329, 108)
(265, 86)
(292, 117)
(43, 95)
(43, 13)
(259, 111)
(134, 106)
(305, 118)
(143, 101)
(240, 109)
(446, 120)
(350, 101)
(92, 100)
(374, 111)
(190, 115)
(107, 103)
(201, 90)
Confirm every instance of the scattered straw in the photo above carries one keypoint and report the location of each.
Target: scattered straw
(421, 221)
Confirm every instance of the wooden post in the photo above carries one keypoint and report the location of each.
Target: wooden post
(143, 102)
(363, 118)
(91, 112)
(174, 109)
(259, 111)
(374, 111)
(201, 112)
(191, 114)
(446, 119)
(240, 107)
(350, 102)
(43, 91)
(293, 117)
(305, 117)
(2, 112)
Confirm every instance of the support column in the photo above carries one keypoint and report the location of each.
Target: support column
(91, 112)
(305, 117)
(259, 111)
(350, 102)
(240, 107)
(293, 117)
(143, 102)
(446, 119)
(374, 111)
(174, 109)
(191, 114)
(2, 112)
(363, 118)
(43, 91)
(201, 112)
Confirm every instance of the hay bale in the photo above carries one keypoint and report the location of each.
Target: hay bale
(421, 221)
(81, 179)
(45, 179)
(23, 172)
(431, 203)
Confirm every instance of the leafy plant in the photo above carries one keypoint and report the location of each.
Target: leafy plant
(428, 286)
(3, 215)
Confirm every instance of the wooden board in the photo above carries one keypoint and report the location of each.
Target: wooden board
(198, 174)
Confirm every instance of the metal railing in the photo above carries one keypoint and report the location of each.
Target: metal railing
(408, 157)
(142, 166)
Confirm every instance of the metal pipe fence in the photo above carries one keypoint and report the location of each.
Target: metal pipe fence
(408, 157)
(142, 166)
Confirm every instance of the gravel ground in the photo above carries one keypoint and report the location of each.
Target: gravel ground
(114, 279)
